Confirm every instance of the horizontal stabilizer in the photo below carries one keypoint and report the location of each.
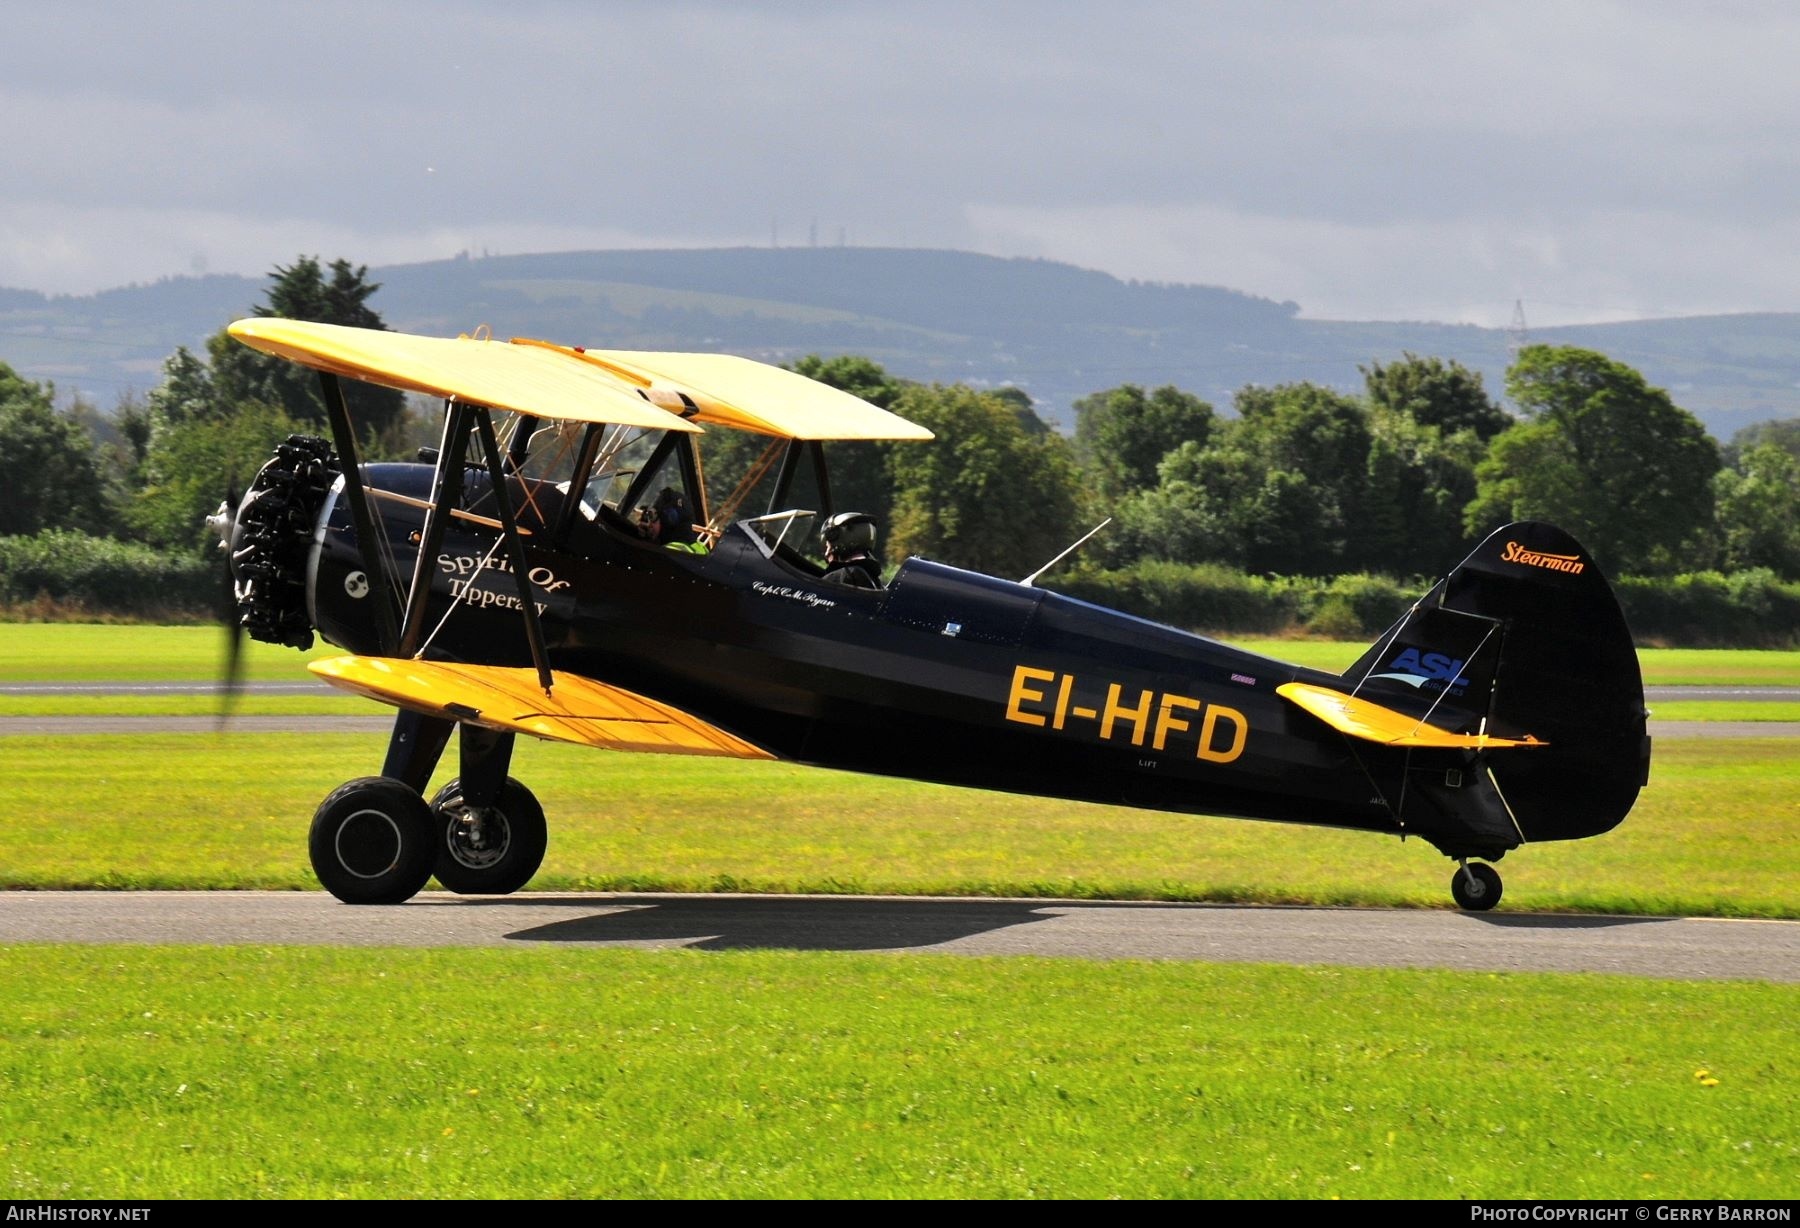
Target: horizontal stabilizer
(578, 710)
(1371, 722)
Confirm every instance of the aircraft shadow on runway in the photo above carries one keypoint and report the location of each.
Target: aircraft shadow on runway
(819, 924)
(828, 923)
(1561, 921)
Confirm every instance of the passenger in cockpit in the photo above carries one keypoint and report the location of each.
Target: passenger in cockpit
(672, 523)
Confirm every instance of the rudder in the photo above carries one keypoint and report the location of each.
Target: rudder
(1525, 636)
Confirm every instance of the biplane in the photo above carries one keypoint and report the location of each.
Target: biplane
(522, 578)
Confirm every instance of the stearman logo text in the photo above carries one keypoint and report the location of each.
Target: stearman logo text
(1515, 553)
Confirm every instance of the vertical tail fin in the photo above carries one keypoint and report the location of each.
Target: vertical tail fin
(1526, 637)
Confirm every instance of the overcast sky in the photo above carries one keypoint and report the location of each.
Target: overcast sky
(1385, 160)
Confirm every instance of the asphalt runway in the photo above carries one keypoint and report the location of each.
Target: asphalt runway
(1671, 948)
(1678, 948)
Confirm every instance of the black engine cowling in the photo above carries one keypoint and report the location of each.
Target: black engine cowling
(272, 535)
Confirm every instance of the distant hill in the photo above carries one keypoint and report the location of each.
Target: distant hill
(1055, 330)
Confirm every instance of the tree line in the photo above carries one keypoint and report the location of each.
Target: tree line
(1304, 480)
(1297, 480)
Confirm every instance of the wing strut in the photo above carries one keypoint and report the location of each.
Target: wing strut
(509, 528)
(584, 465)
(446, 494)
(339, 416)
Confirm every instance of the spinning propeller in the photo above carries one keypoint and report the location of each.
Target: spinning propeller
(223, 522)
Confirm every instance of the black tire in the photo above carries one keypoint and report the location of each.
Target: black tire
(1478, 889)
(502, 856)
(372, 842)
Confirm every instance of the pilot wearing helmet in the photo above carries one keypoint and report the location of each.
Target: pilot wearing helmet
(849, 539)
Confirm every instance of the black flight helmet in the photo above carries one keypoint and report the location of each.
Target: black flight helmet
(849, 532)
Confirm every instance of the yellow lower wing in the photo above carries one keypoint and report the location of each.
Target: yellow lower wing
(1369, 721)
(577, 710)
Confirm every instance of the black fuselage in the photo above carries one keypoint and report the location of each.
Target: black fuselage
(945, 675)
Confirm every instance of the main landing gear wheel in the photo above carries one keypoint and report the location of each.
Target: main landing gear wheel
(1476, 887)
(372, 842)
(488, 852)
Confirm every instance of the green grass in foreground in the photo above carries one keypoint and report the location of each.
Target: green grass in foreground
(75, 651)
(231, 810)
(271, 1073)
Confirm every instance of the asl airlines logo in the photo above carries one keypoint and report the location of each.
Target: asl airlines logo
(1417, 668)
(1515, 553)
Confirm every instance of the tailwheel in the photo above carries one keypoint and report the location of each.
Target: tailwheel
(1475, 887)
(488, 850)
(372, 842)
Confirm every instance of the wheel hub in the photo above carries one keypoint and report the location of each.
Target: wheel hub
(368, 843)
(477, 839)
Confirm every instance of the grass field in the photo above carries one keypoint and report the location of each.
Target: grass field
(139, 1073)
(231, 811)
(1723, 710)
(1661, 666)
(151, 1072)
(137, 653)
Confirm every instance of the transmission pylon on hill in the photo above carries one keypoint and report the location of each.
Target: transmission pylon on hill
(1518, 336)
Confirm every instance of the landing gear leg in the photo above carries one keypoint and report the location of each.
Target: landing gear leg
(1476, 886)
(415, 747)
(491, 831)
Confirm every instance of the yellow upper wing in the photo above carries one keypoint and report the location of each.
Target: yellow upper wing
(1371, 722)
(661, 391)
(578, 709)
(543, 382)
(725, 390)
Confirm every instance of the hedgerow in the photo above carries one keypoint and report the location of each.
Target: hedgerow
(60, 572)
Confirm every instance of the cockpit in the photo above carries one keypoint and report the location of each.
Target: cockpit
(673, 490)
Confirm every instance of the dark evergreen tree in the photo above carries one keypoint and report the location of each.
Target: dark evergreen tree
(301, 291)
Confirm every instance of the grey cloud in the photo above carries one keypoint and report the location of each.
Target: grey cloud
(896, 120)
